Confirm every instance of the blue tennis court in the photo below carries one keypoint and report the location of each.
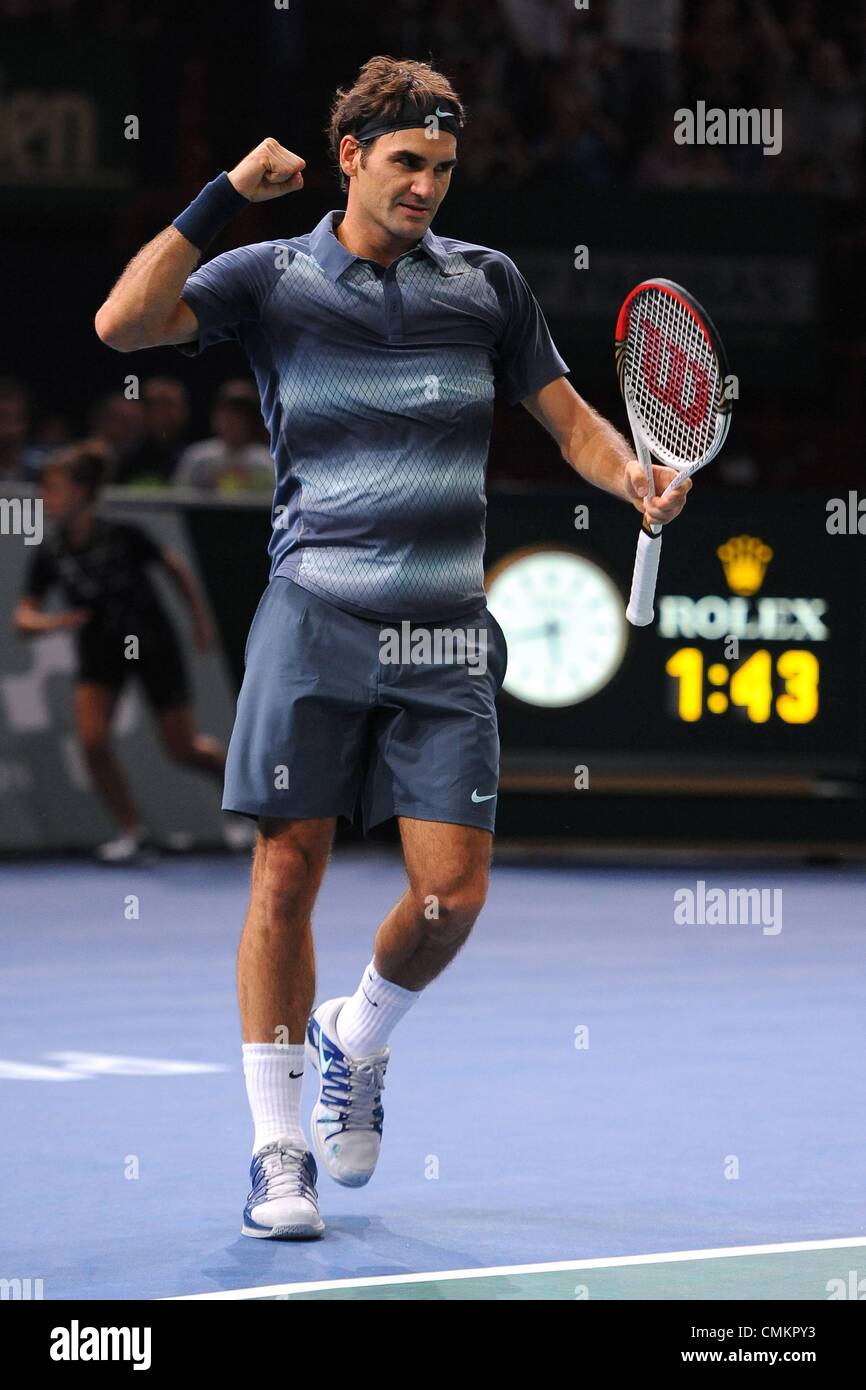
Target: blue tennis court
(590, 1086)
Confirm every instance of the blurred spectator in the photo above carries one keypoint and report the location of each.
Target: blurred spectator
(235, 459)
(540, 27)
(582, 96)
(53, 431)
(695, 166)
(117, 423)
(154, 458)
(716, 48)
(644, 44)
(827, 117)
(582, 141)
(18, 460)
(594, 90)
(641, 28)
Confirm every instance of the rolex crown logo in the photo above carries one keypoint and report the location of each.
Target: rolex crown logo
(745, 560)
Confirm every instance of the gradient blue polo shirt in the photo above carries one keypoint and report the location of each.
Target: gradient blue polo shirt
(377, 388)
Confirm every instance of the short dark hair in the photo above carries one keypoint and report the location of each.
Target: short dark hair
(380, 89)
(83, 464)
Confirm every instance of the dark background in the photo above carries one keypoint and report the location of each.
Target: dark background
(569, 142)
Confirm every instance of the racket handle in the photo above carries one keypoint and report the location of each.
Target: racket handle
(643, 583)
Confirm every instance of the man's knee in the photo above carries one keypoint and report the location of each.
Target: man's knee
(287, 871)
(450, 907)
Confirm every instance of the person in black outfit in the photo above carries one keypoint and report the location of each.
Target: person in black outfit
(122, 630)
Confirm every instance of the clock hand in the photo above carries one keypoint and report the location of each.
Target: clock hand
(532, 633)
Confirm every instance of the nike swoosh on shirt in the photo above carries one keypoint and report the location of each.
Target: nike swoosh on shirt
(476, 797)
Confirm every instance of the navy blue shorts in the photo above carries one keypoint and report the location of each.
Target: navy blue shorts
(325, 726)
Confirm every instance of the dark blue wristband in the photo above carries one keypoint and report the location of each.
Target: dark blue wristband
(212, 210)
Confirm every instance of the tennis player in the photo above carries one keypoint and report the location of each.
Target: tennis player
(377, 347)
(122, 631)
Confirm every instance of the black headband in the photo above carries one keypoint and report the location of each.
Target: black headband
(409, 117)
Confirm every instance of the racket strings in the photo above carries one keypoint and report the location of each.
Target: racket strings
(673, 376)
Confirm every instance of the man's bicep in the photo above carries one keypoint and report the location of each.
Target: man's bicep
(559, 408)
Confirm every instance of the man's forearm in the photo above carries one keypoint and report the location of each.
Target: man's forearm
(141, 304)
(599, 453)
(30, 622)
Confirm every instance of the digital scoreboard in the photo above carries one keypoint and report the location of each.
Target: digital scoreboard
(769, 666)
(756, 651)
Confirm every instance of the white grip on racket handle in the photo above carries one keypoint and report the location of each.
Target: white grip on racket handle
(640, 610)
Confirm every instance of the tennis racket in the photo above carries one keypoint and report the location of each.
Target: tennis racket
(672, 368)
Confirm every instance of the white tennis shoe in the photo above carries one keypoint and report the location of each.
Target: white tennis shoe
(282, 1204)
(348, 1115)
(128, 847)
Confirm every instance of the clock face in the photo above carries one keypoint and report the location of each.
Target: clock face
(564, 621)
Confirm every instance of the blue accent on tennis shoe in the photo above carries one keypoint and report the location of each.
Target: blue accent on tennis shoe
(283, 1178)
(348, 1116)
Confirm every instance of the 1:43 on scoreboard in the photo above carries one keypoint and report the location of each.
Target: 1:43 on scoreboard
(763, 685)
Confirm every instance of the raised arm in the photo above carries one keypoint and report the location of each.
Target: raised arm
(145, 309)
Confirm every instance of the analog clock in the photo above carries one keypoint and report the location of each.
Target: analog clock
(564, 621)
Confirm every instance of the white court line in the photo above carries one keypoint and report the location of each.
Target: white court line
(373, 1281)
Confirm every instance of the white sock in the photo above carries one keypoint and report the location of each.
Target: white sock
(274, 1075)
(365, 1021)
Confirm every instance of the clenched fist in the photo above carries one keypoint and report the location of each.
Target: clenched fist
(268, 171)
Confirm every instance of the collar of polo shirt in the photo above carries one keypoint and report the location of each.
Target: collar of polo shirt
(333, 256)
